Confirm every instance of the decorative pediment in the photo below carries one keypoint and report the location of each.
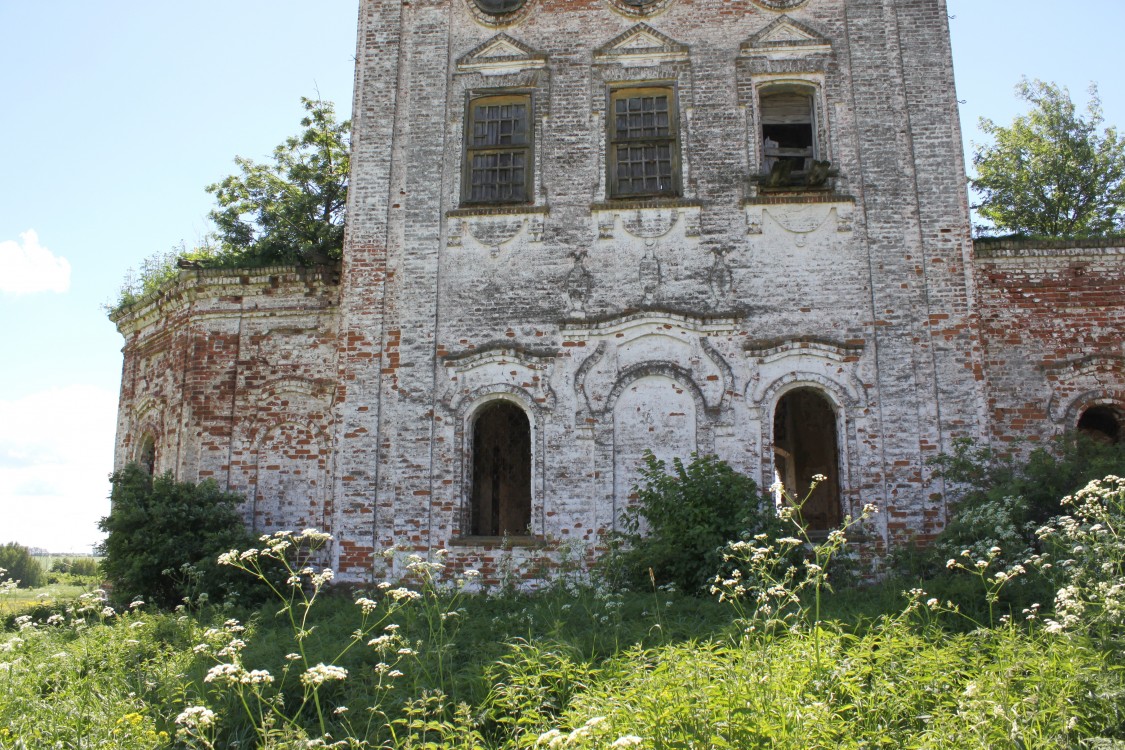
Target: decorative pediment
(498, 366)
(501, 54)
(641, 45)
(786, 35)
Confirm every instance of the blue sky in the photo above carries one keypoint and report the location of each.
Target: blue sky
(118, 113)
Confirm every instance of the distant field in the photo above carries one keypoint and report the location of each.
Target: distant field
(47, 561)
(20, 598)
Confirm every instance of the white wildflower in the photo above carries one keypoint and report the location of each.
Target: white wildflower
(321, 673)
(196, 717)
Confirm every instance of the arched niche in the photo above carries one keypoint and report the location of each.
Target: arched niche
(290, 479)
(657, 413)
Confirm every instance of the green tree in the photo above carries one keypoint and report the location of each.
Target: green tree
(165, 537)
(19, 565)
(1051, 173)
(290, 210)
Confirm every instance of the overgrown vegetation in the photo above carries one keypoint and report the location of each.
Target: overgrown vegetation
(164, 538)
(682, 518)
(1005, 499)
(775, 660)
(287, 212)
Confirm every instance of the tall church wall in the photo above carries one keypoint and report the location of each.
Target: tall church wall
(676, 323)
(1053, 327)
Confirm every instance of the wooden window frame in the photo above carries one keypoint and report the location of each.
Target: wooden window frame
(614, 142)
(815, 148)
(471, 151)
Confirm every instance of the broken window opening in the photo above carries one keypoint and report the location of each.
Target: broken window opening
(501, 500)
(1102, 423)
(146, 454)
(805, 444)
(788, 146)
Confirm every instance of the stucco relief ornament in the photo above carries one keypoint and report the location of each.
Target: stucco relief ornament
(720, 277)
(780, 4)
(640, 7)
(499, 12)
(650, 274)
(579, 283)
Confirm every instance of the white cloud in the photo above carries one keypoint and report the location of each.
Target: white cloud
(27, 267)
(56, 453)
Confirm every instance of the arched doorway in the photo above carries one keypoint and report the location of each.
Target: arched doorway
(805, 444)
(501, 500)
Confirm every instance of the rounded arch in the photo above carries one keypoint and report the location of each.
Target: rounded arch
(806, 448)
(841, 396)
(649, 369)
(500, 468)
(145, 454)
(844, 406)
(290, 475)
(1103, 421)
(1100, 401)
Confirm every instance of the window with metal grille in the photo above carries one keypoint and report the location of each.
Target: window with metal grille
(643, 155)
(501, 502)
(498, 157)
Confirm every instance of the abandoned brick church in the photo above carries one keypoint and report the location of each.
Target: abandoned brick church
(580, 229)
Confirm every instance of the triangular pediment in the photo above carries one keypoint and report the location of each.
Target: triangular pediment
(786, 34)
(641, 41)
(502, 53)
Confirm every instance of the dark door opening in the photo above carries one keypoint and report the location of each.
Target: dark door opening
(501, 502)
(805, 444)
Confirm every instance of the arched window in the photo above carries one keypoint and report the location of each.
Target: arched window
(1102, 423)
(501, 501)
(146, 454)
(804, 445)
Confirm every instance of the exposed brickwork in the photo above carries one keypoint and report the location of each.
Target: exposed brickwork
(1053, 322)
(616, 325)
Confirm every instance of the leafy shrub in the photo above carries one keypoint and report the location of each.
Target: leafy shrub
(16, 559)
(1006, 500)
(164, 539)
(683, 519)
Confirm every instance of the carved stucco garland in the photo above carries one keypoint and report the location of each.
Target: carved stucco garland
(780, 4)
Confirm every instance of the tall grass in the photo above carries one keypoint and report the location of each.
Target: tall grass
(435, 661)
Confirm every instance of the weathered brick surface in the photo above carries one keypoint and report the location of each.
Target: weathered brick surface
(618, 326)
(1053, 323)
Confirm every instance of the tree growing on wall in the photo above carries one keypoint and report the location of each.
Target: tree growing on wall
(290, 210)
(1054, 172)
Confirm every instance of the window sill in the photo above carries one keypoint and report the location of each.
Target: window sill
(497, 542)
(630, 204)
(797, 195)
(497, 210)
